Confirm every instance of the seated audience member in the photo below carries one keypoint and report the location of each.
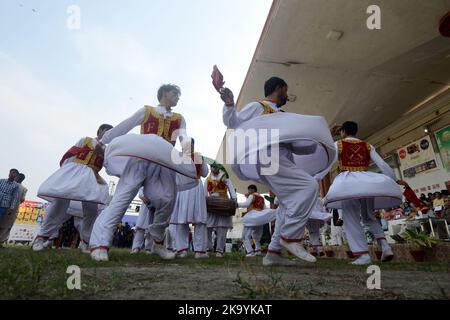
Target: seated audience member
(438, 200)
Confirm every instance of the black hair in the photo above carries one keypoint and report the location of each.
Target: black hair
(272, 84)
(103, 127)
(253, 187)
(14, 170)
(167, 88)
(350, 127)
(21, 177)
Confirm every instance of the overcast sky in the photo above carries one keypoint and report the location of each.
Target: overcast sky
(58, 84)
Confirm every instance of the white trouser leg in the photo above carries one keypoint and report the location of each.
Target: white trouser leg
(130, 181)
(369, 220)
(297, 191)
(246, 235)
(160, 187)
(138, 240)
(200, 238)
(182, 237)
(148, 237)
(313, 227)
(257, 233)
(90, 213)
(354, 232)
(148, 242)
(221, 234)
(55, 216)
(275, 245)
(209, 239)
(143, 220)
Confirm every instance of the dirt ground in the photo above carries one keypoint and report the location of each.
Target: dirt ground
(28, 275)
(251, 280)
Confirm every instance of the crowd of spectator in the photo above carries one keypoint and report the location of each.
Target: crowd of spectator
(123, 237)
(434, 205)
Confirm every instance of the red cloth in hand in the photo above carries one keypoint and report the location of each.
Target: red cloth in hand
(411, 197)
(217, 79)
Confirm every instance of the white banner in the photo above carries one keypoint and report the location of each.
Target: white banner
(417, 157)
(23, 232)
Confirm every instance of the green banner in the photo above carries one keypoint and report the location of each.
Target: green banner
(443, 140)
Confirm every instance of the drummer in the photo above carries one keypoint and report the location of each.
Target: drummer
(254, 202)
(218, 184)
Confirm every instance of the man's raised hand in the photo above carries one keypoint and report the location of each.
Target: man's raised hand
(227, 96)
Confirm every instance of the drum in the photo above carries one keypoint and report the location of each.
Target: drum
(221, 206)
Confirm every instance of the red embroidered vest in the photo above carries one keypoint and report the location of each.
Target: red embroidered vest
(354, 155)
(88, 156)
(257, 203)
(164, 127)
(217, 186)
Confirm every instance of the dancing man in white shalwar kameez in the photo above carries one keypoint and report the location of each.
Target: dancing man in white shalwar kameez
(254, 204)
(359, 192)
(296, 188)
(190, 208)
(158, 181)
(216, 185)
(77, 179)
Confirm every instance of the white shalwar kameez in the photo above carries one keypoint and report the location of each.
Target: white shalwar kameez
(141, 165)
(254, 232)
(217, 223)
(72, 182)
(317, 219)
(190, 208)
(359, 194)
(305, 149)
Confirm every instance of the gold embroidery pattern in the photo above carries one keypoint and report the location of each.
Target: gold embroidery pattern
(164, 123)
(267, 108)
(343, 168)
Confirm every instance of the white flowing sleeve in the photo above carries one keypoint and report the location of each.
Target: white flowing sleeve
(205, 186)
(125, 126)
(232, 119)
(231, 189)
(141, 193)
(246, 203)
(276, 201)
(205, 170)
(322, 174)
(384, 167)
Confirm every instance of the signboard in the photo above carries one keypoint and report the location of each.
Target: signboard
(443, 140)
(29, 217)
(417, 157)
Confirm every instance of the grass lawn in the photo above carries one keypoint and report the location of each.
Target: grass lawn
(28, 275)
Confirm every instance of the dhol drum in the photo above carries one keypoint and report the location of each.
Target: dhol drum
(221, 206)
